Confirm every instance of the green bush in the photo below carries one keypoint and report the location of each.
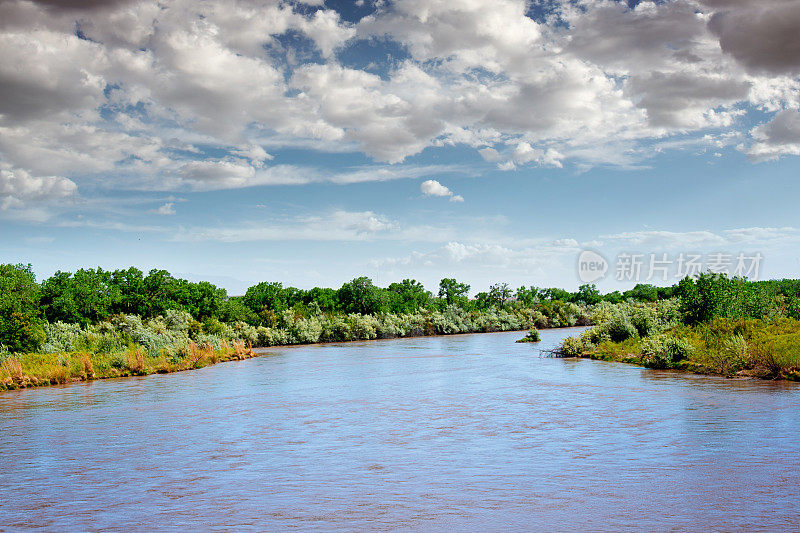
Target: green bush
(532, 336)
(619, 328)
(664, 351)
(572, 347)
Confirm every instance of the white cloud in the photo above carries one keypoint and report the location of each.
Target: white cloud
(778, 137)
(552, 262)
(657, 240)
(106, 91)
(334, 226)
(166, 209)
(434, 188)
(18, 188)
(256, 154)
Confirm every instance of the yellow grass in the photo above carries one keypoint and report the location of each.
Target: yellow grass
(31, 370)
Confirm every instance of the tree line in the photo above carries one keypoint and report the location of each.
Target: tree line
(89, 296)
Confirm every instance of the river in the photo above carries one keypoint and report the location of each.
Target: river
(465, 432)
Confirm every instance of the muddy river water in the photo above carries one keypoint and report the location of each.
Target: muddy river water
(466, 432)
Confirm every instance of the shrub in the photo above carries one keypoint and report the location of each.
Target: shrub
(663, 352)
(619, 328)
(730, 357)
(451, 320)
(391, 326)
(532, 336)
(212, 326)
(677, 349)
(62, 337)
(134, 359)
(334, 329)
(307, 330)
(571, 347)
(242, 331)
(177, 320)
(362, 326)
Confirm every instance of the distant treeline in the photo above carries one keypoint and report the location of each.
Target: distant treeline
(91, 296)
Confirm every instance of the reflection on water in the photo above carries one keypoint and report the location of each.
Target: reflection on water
(443, 433)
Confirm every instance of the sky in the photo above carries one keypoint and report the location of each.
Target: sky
(486, 140)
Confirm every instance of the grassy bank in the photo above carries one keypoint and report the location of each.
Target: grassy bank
(37, 369)
(94, 323)
(127, 345)
(654, 335)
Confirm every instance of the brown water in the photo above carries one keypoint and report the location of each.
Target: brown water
(470, 432)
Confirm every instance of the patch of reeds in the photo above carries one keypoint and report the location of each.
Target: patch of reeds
(134, 359)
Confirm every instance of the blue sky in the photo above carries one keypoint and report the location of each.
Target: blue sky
(310, 143)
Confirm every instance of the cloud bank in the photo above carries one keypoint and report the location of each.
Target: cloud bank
(180, 95)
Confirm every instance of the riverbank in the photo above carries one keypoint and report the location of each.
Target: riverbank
(40, 370)
(762, 349)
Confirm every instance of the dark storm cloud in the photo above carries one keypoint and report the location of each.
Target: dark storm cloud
(763, 35)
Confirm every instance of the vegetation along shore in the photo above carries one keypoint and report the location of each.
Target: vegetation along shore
(711, 324)
(94, 324)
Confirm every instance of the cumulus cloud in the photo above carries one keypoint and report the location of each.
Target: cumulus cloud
(18, 188)
(778, 137)
(116, 88)
(434, 188)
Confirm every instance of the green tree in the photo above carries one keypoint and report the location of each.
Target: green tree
(411, 295)
(266, 296)
(499, 294)
(528, 296)
(613, 297)
(642, 292)
(359, 295)
(588, 294)
(554, 293)
(483, 301)
(206, 299)
(58, 298)
(702, 299)
(86, 297)
(326, 299)
(235, 310)
(163, 292)
(453, 292)
(20, 316)
(130, 291)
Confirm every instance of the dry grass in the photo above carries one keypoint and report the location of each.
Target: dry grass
(198, 356)
(33, 369)
(59, 375)
(88, 366)
(12, 368)
(241, 351)
(134, 359)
